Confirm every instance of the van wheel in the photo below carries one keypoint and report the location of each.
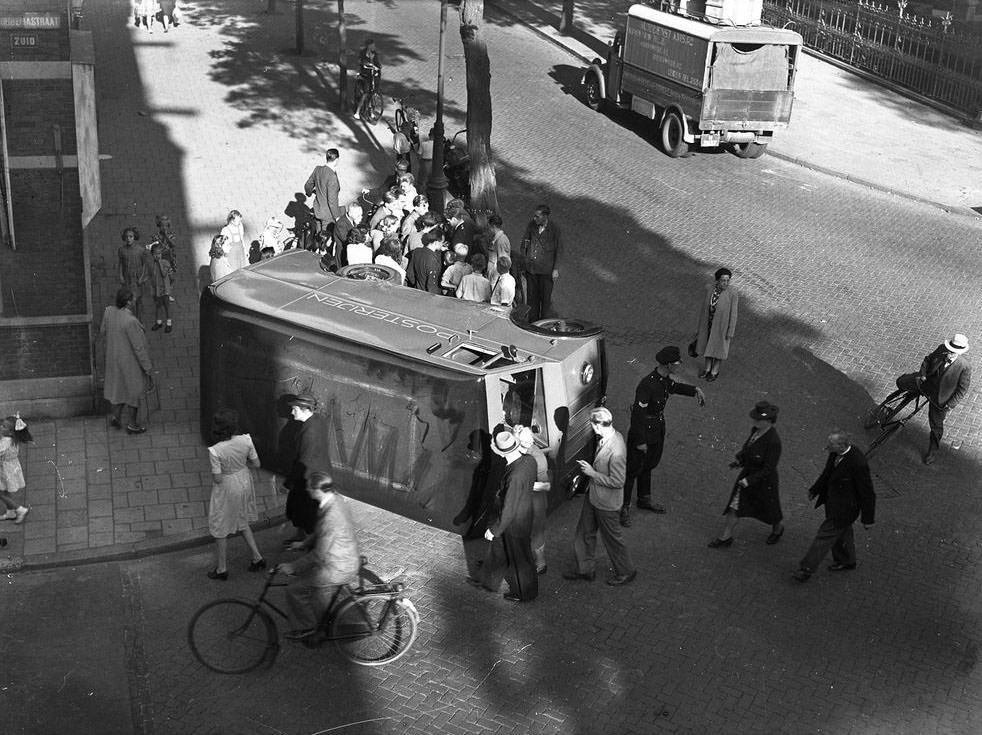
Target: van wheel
(368, 272)
(672, 135)
(594, 100)
(749, 150)
(571, 327)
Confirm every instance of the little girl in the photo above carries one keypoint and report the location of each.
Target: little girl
(13, 433)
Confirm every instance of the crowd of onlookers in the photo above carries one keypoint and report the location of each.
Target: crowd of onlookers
(447, 254)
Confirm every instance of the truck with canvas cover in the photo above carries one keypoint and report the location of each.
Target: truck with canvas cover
(703, 84)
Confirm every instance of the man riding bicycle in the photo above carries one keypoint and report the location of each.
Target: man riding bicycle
(369, 71)
(944, 379)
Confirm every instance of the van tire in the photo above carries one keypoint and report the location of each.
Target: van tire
(368, 272)
(594, 99)
(749, 150)
(673, 135)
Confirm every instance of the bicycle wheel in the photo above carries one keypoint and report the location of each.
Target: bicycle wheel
(880, 440)
(889, 408)
(374, 629)
(373, 107)
(400, 118)
(233, 636)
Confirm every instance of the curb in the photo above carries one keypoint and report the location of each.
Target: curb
(555, 38)
(123, 552)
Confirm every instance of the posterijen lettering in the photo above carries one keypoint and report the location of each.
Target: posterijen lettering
(379, 314)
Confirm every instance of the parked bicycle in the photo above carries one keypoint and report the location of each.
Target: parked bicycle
(371, 623)
(892, 415)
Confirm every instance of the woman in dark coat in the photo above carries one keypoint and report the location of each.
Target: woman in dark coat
(756, 491)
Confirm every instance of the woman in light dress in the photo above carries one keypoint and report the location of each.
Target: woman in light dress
(235, 242)
(233, 497)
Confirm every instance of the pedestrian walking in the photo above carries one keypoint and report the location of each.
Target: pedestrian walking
(944, 378)
(233, 496)
(756, 492)
(332, 559)
(145, 13)
(541, 250)
(324, 184)
(845, 488)
(128, 365)
(13, 433)
(170, 14)
(308, 453)
(510, 529)
(646, 435)
(601, 506)
(161, 285)
(133, 266)
(235, 240)
(717, 323)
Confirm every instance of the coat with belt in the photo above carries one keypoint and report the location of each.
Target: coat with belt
(846, 489)
(715, 342)
(758, 460)
(323, 182)
(953, 383)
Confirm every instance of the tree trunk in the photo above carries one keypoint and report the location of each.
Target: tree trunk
(342, 60)
(484, 187)
(566, 18)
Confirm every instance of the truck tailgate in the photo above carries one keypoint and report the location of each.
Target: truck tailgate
(741, 109)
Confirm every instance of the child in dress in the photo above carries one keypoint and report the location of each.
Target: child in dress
(13, 433)
(161, 282)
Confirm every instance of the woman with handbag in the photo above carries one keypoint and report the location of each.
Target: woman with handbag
(756, 491)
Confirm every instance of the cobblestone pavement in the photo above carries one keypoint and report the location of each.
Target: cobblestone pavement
(843, 288)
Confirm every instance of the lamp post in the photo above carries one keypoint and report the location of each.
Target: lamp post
(436, 186)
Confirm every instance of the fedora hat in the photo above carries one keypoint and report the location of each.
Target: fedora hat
(957, 344)
(505, 442)
(764, 411)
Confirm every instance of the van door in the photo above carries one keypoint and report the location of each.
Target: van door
(521, 398)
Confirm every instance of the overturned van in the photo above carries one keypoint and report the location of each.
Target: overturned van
(410, 384)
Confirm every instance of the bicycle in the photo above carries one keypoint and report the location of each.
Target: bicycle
(371, 624)
(372, 105)
(886, 415)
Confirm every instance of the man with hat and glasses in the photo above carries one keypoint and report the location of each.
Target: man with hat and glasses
(510, 531)
(646, 436)
(944, 378)
(599, 513)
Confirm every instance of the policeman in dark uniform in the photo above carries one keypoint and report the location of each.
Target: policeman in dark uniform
(646, 437)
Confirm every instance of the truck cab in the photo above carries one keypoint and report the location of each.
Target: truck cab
(703, 83)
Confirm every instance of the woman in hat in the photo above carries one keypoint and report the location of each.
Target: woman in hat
(756, 491)
(717, 323)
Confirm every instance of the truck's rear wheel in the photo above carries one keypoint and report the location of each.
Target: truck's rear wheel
(749, 150)
(673, 135)
(594, 99)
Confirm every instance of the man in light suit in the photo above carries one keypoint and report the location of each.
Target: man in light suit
(845, 488)
(602, 506)
(324, 184)
(945, 377)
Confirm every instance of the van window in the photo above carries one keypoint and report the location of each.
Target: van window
(523, 402)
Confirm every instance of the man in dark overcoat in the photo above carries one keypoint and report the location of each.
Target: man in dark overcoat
(309, 455)
(845, 488)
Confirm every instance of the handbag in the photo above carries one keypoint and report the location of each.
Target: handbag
(692, 349)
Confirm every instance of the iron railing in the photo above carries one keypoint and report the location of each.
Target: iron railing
(924, 55)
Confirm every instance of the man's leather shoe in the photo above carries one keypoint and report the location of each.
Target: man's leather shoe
(511, 597)
(653, 507)
(720, 543)
(773, 538)
(574, 575)
(841, 567)
(801, 575)
(618, 580)
(626, 517)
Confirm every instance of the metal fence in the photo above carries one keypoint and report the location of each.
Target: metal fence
(925, 55)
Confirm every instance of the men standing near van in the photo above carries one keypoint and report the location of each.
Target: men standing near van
(541, 247)
(324, 184)
(646, 437)
(425, 263)
(310, 455)
(599, 513)
(510, 531)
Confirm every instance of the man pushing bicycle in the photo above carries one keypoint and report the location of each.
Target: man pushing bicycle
(944, 379)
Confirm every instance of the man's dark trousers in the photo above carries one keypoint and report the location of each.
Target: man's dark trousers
(539, 296)
(839, 540)
(641, 464)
